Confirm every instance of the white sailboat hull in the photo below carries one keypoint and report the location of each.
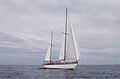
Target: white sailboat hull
(61, 66)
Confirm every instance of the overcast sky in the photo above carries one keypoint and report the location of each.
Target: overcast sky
(25, 27)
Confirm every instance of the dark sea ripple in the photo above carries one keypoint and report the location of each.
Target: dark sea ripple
(81, 72)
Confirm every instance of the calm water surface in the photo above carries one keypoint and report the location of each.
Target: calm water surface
(81, 72)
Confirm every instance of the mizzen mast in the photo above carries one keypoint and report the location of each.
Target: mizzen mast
(51, 45)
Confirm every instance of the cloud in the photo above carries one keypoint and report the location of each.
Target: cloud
(111, 52)
(93, 59)
(28, 41)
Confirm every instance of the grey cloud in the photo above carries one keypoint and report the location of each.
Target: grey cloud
(21, 41)
(7, 37)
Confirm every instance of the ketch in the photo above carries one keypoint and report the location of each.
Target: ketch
(69, 53)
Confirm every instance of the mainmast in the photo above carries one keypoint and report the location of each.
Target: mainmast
(51, 45)
(65, 35)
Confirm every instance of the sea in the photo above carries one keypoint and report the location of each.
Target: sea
(80, 72)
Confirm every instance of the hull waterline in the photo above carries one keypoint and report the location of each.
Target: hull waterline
(60, 66)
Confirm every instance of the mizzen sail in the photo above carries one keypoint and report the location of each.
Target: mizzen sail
(47, 56)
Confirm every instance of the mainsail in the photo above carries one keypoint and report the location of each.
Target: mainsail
(61, 54)
(47, 56)
(73, 48)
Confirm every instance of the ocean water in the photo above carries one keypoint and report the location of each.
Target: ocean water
(81, 72)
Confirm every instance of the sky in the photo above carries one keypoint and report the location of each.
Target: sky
(25, 27)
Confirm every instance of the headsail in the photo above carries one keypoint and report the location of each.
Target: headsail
(71, 52)
(73, 48)
(62, 49)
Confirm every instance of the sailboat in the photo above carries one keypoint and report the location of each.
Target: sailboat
(69, 53)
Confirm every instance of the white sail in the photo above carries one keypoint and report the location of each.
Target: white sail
(71, 52)
(47, 56)
(61, 54)
(77, 51)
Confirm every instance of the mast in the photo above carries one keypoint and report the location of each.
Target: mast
(65, 35)
(51, 45)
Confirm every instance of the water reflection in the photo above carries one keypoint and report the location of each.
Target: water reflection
(62, 74)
